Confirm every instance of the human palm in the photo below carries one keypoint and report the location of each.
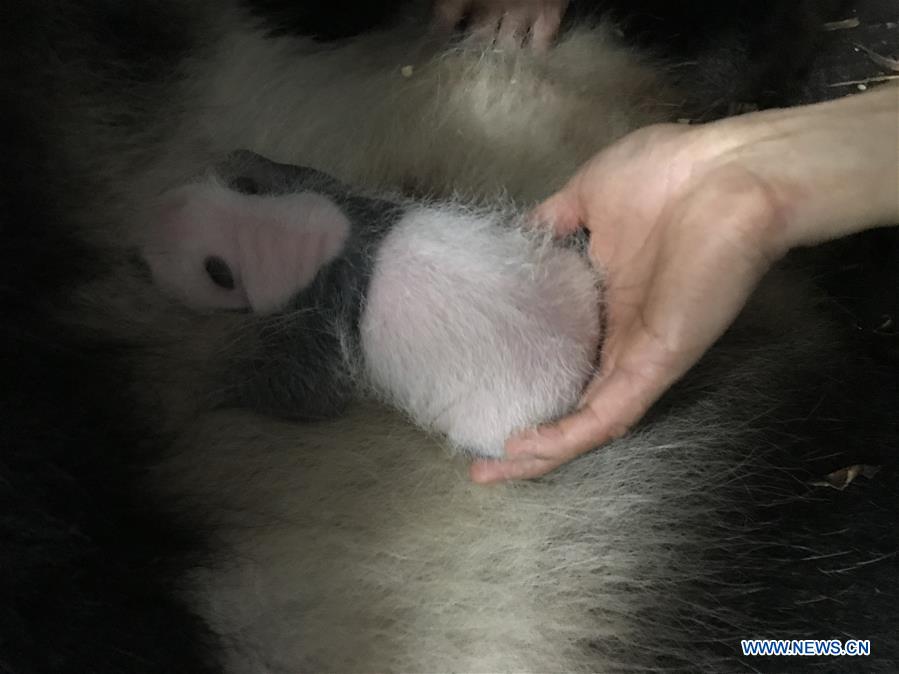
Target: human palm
(682, 236)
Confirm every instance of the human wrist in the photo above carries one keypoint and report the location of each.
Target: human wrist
(828, 170)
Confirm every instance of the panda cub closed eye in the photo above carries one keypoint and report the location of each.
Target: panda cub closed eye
(219, 272)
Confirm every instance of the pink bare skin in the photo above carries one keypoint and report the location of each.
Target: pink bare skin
(264, 249)
(508, 23)
(685, 221)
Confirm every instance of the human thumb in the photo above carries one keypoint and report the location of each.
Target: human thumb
(562, 211)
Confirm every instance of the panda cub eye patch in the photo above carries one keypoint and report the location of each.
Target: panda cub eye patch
(219, 271)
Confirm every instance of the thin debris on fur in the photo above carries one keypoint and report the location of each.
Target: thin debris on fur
(842, 478)
(881, 60)
(845, 24)
(865, 81)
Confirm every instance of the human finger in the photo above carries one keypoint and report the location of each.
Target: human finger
(618, 402)
(546, 26)
(562, 211)
(485, 22)
(513, 27)
(448, 13)
(487, 471)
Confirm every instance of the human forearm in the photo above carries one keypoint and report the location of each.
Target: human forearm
(833, 168)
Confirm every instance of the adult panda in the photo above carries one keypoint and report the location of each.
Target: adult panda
(157, 518)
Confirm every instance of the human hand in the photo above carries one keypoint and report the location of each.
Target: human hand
(684, 221)
(682, 236)
(508, 22)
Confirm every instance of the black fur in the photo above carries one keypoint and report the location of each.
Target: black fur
(731, 54)
(305, 367)
(87, 559)
(793, 558)
(326, 21)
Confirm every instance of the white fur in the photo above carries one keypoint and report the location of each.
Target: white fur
(476, 328)
(473, 120)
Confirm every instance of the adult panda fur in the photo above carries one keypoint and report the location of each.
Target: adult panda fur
(145, 530)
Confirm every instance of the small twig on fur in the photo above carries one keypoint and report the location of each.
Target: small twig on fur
(880, 59)
(842, 25)
(840, 479)
(867, 80)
